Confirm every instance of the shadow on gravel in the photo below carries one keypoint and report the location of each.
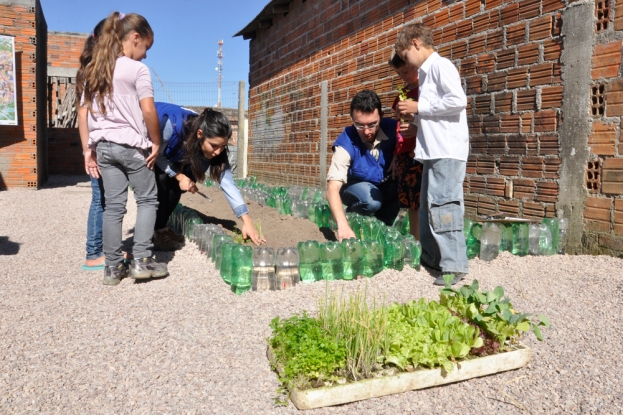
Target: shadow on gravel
(55, 181)
(7, 247)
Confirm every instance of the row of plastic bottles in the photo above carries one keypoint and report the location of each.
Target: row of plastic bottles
(491, 238)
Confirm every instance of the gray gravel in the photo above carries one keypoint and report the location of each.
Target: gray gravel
(186, 344)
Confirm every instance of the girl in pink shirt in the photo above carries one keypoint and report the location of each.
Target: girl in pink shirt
(118, 108)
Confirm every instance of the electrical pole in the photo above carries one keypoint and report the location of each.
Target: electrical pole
(219, 68)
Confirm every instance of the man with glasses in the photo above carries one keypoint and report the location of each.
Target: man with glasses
(359, 176)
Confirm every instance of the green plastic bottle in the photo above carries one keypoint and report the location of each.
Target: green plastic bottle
(225, 263)
(521, 240)
(373, 258)
(242, 266)
(393, 253)
(506, 242)
(309, 261)
(353, 258)
(473, 243)
(331, 261)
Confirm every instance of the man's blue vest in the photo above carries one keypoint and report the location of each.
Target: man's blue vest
(363, 166)
(177, 115)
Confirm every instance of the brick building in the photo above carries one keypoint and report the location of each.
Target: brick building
(23, 147)
(544, 116)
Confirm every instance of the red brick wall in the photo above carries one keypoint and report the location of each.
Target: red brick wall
(64, 147)
(64, 49)
(603, 211)
(18, 144)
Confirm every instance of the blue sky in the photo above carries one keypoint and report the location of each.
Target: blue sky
(186, 32)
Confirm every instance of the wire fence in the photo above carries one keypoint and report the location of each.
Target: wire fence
(199, 94)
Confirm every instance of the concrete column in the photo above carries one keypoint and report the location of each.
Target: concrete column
(324, 103)
(578, 34)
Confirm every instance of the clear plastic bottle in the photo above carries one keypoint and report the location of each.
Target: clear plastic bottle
(534, 233)
(263, 269)
(563, 226)
(287, 270)
(413, 250)
(490, 241)
(545, 240)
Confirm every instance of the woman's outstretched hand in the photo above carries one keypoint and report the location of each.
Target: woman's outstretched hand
(249, 231)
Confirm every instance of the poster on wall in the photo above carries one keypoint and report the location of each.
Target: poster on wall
(8, 102)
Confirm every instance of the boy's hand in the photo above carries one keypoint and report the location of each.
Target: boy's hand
(407, 107)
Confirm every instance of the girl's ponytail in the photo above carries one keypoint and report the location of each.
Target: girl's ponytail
(85, 59)
(99, 74)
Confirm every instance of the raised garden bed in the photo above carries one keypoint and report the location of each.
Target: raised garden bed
(355, 349)
(403, 382)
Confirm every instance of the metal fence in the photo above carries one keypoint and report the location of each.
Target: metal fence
(199, 94)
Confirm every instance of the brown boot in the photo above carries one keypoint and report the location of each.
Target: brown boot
(164, 242)
(174, 236)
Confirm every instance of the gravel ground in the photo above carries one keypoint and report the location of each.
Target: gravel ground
(186, 344)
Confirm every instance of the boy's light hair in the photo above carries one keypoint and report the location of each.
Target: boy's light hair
(412, 31)
(395, 61)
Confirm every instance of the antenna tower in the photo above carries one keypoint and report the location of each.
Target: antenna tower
(219, 68)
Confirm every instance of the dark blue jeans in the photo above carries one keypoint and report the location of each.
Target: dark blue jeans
(368, 199)
(94, 224)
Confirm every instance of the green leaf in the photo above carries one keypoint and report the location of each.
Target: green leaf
(447, 278)
(490, 296)
(478, 343)
(506, 314)
(544, 321)
(537, 333)
(523, 326)
(499, 292)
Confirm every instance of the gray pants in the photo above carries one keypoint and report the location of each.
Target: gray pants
(118, 165)
(441, 215)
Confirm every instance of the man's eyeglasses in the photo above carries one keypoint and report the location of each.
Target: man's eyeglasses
(362, 127)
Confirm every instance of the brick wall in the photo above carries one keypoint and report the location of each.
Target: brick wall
(603, 211)
(22, 145)
(508, 55)
(510, 58)
(64, 147)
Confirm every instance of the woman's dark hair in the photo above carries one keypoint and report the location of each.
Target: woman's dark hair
(366, 101)
(85, 59)
(212, 124)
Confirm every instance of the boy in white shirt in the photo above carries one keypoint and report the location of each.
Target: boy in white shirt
(442, 148)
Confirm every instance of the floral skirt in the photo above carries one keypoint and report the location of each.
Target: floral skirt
(409, 180)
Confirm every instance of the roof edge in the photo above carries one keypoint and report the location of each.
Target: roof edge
(264, 18)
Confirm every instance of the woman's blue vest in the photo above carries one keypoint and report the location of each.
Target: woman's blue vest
(177, 115)
(363, 166)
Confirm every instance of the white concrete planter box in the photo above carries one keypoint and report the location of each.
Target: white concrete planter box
(420, 379)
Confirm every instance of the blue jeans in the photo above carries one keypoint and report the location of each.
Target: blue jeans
(119, 165)
(94, 223)
(441, 215)
(368, 199)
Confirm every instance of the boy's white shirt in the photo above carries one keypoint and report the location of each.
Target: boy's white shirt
(441, 119)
